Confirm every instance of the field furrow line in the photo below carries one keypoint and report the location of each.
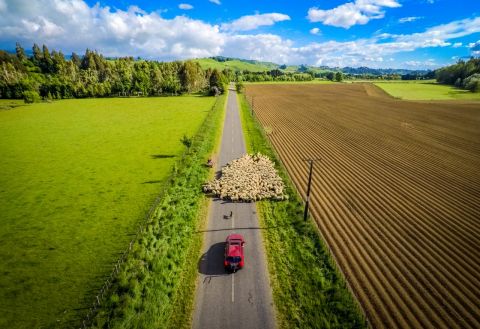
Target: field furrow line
(396, 196)
(432, 301)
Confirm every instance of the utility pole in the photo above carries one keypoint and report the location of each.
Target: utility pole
(305, 213)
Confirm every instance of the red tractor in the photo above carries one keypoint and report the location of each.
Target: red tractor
(234, 259)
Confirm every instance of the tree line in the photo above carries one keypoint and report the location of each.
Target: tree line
(49, 75)
(273, 75)
(463, 74)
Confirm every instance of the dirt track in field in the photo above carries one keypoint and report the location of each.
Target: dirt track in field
(396, 195)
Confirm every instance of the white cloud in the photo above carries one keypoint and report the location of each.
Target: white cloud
(457, 45)
(217, 2)
(351, 13)
(134, 32)
(262, 47)
(72, 25)
(315, 30)
(251, 22)
(185, 6)
(475, 48)
(420, 64)
(409, 19)
(361, 52)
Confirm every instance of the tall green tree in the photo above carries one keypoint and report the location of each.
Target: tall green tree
(37, 54)
(20, 52)
(339, 76)
(192, 77)
(218, 80)
(76, 59)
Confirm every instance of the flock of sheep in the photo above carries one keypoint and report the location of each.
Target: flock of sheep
(249, 178)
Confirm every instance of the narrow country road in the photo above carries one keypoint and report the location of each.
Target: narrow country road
(244, 299)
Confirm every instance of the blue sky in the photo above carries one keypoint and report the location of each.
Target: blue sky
(415, 34)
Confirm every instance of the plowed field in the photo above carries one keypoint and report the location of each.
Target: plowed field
(396, 195)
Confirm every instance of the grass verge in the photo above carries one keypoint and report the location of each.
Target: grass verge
(308, 290)
(155, 287)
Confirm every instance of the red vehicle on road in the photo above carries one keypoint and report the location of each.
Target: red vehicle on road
(234, 259)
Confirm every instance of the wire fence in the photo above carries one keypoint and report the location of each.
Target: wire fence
(117, 266)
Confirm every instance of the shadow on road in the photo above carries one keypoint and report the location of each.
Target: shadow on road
(241, 228)
(225, 201)
(211, 262)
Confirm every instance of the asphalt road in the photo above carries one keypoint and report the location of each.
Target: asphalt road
(243, 299)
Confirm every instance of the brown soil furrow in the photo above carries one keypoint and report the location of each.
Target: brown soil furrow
(473, 264)
(396, 195)
(328, 193)
(475, 216)
(462, 233)
(409, 278)
(359, 154)
(400, 168)
(365, 287)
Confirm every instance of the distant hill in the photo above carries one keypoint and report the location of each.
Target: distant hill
(367, 70)
(237, 64)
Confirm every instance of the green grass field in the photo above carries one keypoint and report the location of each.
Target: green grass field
(235, 65)
(308, 290)
(77, 176)
(426, 90)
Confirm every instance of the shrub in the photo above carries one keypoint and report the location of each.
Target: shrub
(187, 141)
(214, 91)
(31, 96)
(239, 87)
(472, 83)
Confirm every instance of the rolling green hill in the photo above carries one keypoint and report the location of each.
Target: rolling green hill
(235, 64)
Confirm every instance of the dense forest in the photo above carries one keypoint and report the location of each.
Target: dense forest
(49, 75)
(462, 74)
